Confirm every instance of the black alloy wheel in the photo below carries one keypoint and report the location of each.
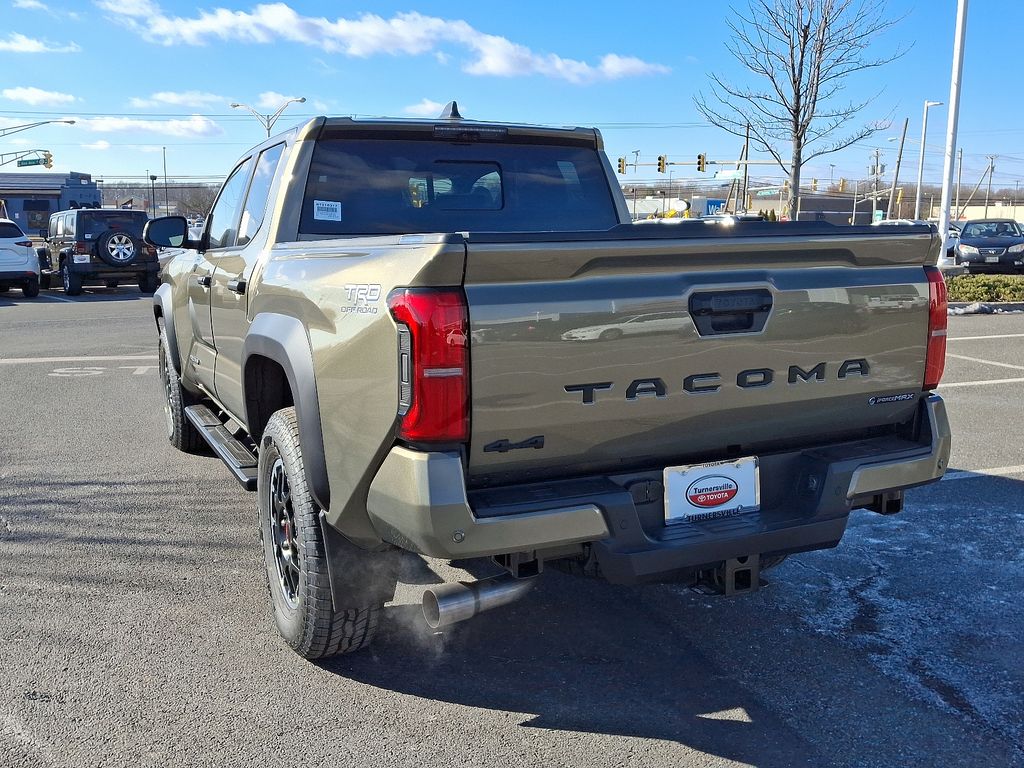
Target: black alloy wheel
(283, 534)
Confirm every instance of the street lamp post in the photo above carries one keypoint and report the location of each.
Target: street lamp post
(267, 121)
(920, 162)
(152, 191)
(19, 128)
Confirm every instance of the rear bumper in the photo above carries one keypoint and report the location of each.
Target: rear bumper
(16, 276)
(100, 270)
(418, 502)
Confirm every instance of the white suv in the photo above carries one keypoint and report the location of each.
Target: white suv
(19, 265)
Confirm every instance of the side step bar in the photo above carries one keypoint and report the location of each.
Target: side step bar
(238, 458)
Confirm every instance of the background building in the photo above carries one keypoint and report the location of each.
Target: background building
(30, 198)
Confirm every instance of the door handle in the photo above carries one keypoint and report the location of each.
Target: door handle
(204, 280)
(236, 285)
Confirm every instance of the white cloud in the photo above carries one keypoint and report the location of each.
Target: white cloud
(179, 99)
(195, 126)
(271, 100)
(19, 43)
(100, 145)
(408, 34)
(30, 5)
(36, 96)
(425, 108)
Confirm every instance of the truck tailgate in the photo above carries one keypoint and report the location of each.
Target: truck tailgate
(597, 355)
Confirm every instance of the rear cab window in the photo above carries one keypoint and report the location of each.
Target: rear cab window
(400, 186)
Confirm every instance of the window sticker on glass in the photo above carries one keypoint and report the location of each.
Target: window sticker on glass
(326, 210)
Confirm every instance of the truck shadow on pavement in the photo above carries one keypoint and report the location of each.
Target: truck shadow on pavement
(579, 655)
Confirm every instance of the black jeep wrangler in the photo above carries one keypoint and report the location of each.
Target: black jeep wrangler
(100, 247)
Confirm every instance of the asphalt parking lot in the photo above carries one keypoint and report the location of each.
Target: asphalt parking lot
(134, 627)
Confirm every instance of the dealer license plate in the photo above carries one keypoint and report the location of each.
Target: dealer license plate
(991, 259)
(699, 492)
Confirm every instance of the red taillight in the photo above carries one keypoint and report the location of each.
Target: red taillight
(150, 250)
(25, 243)
(433, 327)
(81, 247)
(935, 357)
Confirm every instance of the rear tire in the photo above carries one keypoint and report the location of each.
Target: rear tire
(30, 288)
(296, 555)
(180, 431)
(148, 282)
(44, 282)
(72, 282)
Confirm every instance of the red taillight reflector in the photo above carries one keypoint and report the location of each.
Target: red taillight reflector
(25, 243)
(433, 325)
(935, 357)
(81, 247)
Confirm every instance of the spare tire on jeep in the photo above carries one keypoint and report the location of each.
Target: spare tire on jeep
(117, 248)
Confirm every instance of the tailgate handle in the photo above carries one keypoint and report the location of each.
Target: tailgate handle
(716, 313)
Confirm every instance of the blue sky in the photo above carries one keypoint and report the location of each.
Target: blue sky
(141, 75)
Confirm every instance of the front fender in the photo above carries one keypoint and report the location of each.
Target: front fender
(284, 340)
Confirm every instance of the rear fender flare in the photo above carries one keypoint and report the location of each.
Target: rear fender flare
(284, 340)
(163, 304)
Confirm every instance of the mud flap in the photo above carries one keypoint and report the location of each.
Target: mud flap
(358, 577)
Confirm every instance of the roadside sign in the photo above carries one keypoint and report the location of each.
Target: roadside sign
(30, 161)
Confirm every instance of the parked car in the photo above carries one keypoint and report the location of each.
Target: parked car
(18, 265)
(991, 245)
(97, 246)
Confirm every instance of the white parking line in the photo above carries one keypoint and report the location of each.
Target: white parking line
(993, 336)
(967, 474)
(29, 360)
(59, 298)
(986, 362)
(983, 383)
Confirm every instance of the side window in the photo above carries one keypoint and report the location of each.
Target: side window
(224, 214)
(259, 193)
(53, 226)
(69, 225)
(60, 226)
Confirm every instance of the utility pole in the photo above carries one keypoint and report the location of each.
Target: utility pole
(876, 172)
(746, 167)
(896, 173)
(988, 189)
(954, 116)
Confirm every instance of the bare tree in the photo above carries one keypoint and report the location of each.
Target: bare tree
(805, 50)
(196, 200)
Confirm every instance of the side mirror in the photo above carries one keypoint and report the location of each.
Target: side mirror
(168, 232)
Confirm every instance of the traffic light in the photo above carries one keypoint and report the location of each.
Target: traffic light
(702, 163)
(47, 160)
(662, 163)
(622, 165)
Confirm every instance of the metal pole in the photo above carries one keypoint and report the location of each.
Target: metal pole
(746, 168)
(988, 189)
(896, 173)
(920, 162)
(954, 116)
(167, 198)
(853, 220)
(875, 174)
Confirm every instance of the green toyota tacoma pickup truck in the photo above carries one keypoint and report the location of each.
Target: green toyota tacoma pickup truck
(447, 337)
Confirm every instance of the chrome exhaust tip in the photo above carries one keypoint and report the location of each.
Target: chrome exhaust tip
(448, 604)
